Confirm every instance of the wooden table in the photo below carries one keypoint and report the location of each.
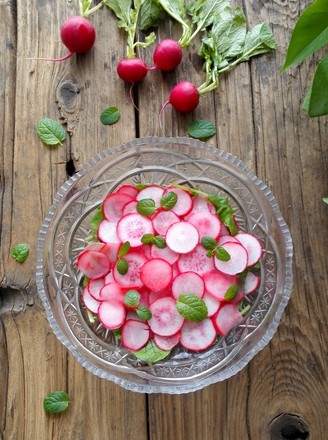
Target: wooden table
(282, 393)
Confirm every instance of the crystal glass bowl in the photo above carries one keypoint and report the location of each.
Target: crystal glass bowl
(163, 161)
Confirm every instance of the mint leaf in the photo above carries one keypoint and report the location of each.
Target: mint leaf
(56, 402)
(221, 254)
(144, 313)
(191, 307)
(50, 132)
(147, 239)
(151, 353)
(209, 243)
(169, 200)
(132, 298)
(122, 266)
(124, 249)
(96, 219)
(110, 116)
(201, 129)
(159, 242)
(20, 252)
(146, 207)
(231, 292)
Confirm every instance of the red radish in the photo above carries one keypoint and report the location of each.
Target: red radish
(156, 274)
(184, 202)
(167, 55)
(188, 282)
(78, 35)
(94, 287)
(135, 334)
(182, 237)
(111, 291)
(165, 253)
(252, 246)
(132, 227)
(227, 317)
(132, 70)
(163, 219)
(154, 296)
(165, 320)
(111, 250)
(113, 206)
(130, 207)
(153, 192)
(107, 232)
(111, 314)
(128, 189)
(131, 280)
(238, 259)
(93, 264)
(198, 336)
(251, 283)
(89, 301)
(167, 342)
(196, 261)
(207, 224)
(212, 304)
(217, 283)
(184, 97)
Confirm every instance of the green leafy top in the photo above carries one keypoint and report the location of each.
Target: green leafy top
(85, 7)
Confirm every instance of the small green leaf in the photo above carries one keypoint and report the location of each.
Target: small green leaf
(318, 103)
(122, 266)
(56, 402)
(201, 129)
(20, 252)
(169, 200)
(159, 242)
(110, 116)
(325, 200)
(231, 292)
(147, 239)
(124, 249)
(96, 219)
(151, 353)
(191, 307)
(139, 186)
(209, 243)
(144, 313)
(132, 298)
(151, 13)
(146, 207)
(50, 132)
(210, 254)
(221, 254)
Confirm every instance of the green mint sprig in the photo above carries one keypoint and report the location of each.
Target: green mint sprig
(122, 265)
(212, 248)
(147, 207)
(157, 240)
(191, 307)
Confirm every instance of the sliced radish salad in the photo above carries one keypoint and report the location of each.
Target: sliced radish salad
(167, 266)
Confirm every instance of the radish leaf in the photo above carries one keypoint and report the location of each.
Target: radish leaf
(151, 353)
(50, 132)
(151, 13)
(20, 252)
(56, 402)
(191, 307)
(110, 116)
(318, 95)
(201, 129)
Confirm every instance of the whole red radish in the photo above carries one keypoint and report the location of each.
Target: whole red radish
(184, 97)
(132, 70)
(167, 55)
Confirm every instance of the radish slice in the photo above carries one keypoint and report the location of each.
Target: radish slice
(111, 250)
(188, 282)
(227, 317)
(111, 291)
(165, 253)
(165, 320)
(93, 264)
(196, 261)
(111, 314)
(154, 296)
(167, 342)
(94, 287)
(227, 239)
(132, 227)
(135, 334)
(162, 220)
(182, 237)
(131, 280)
(89, 301)
(113, 206)
(252, 282)
(107, 232)
(130, 207)
(130, 190)
(252, 246)
(153, 192)
(198, 336)
(217, 283)
(156, 274)
(238, 259)
(201, 204)
(184, 203)
(212, 304)
(207, 224)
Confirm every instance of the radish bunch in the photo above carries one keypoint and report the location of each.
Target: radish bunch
(166, 270)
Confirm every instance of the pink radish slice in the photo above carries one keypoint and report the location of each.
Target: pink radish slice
(132, 227)
(128, 189)
(207, 224)
(227, 239)
(165, 320)
(89, 301)
(113, 206)
(212, 304)
(131, 279)
(184, 202)
(201, 204)
(93, 264)
(111, 250)
(109, 278)
(130, 207)
(153, 192)
(94, 287)
(107, 232)
(135, 334)
(154, 296)
(196, 261)
(156, 274)
(165, 253)
(167, 342)
(111, 314)
(217, 283)
(162, 220)
(188, 282)
(197, 336)
(238, 259)
(111, 291)
(182, 237)
(252, 282)
(252, 246)
(227, 317)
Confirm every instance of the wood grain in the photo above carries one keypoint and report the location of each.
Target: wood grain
(257, 111)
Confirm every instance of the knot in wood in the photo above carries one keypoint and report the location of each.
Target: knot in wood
(68, 99)
(288, 427)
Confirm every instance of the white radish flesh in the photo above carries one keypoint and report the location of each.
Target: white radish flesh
(182, 237)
